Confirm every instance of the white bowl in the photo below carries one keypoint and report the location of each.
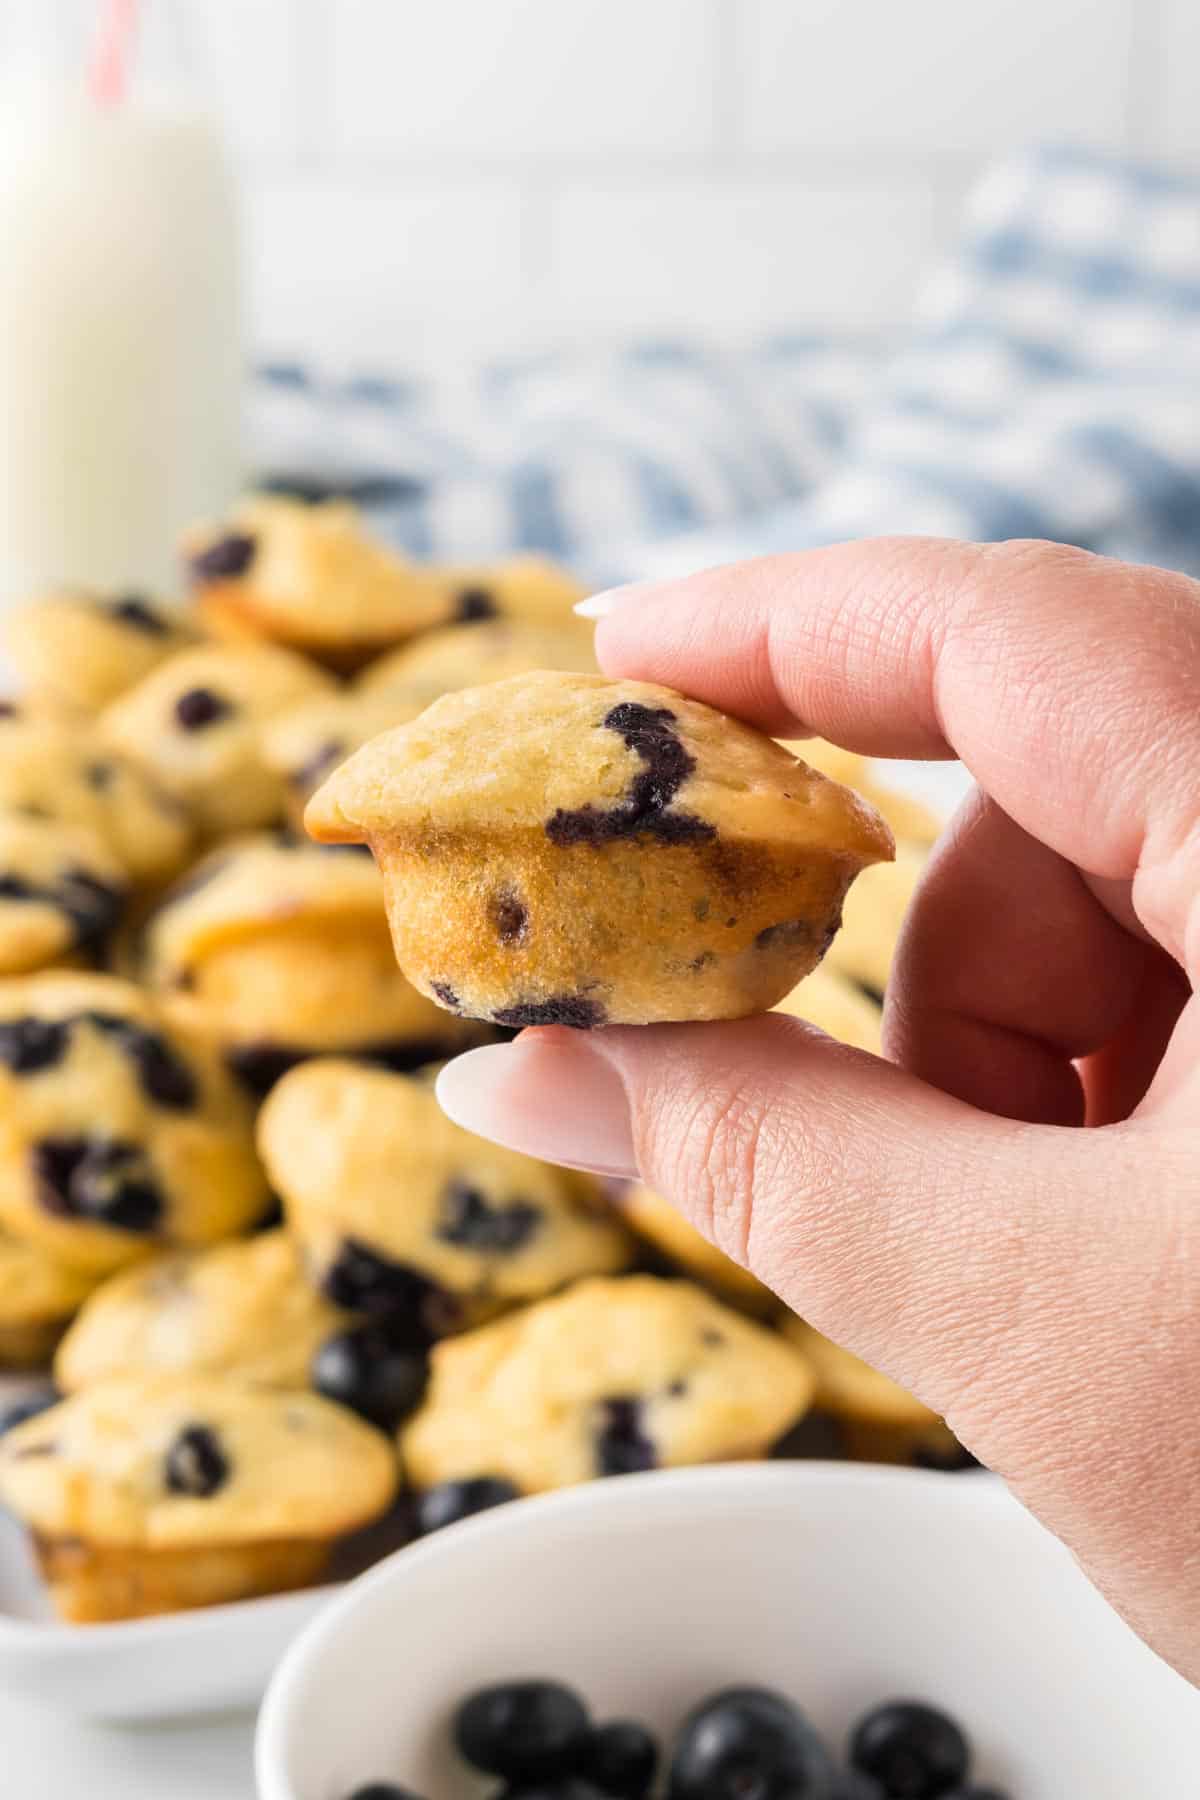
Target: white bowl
(840, 1585)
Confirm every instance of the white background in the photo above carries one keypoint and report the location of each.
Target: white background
(496, 168)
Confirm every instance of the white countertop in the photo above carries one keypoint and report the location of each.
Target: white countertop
(51, 1756)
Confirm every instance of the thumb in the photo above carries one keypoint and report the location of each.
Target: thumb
(934, 1240)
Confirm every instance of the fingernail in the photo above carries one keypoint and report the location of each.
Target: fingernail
(549, 1095)
(602, 606)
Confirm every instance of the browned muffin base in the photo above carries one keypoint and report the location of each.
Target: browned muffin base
(92, 1583)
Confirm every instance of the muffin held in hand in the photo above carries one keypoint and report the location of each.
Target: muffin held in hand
(79, 650)
(562, 849)
(62, 892)
(67, 773)
(312, 578)
(280, 950)
(608, 1378)
(39, 1295)
(158, 1493)
(244, 1308)
(118, 1133)
(461, 656)
(196, 724)
(402, 1213)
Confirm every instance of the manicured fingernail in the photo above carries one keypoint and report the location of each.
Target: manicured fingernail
(549, 1095)
(602, 606)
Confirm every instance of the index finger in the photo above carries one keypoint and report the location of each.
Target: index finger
(1067, 683)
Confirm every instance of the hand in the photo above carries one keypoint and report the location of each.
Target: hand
(1005, 1216)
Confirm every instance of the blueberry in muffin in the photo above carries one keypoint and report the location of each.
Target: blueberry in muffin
(77, 650)
(402, 1213)
(312, 578)
(119, 1133)
(195, 723)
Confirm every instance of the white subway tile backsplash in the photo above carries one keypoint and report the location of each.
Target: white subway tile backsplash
(355, 270)
(934, 75)
(1175, 122)
(248, 54)
(487, 77)
(752, 253)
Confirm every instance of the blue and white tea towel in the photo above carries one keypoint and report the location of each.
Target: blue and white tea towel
(1049, 386)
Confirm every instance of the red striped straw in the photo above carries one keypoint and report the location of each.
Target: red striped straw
(108, 71)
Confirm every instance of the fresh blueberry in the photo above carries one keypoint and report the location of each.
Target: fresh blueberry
(451, 1501)
(28, 1408)
(852, 1784)
(196, 1463)
(564, 1787)
(749, 1744)
(620, 1759)
(367, 1370)
(913, 1751)
(382, 1790)
(524, 1730)
(199, 707)
(28, 1044)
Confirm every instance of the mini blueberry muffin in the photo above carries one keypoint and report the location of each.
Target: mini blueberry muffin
(876, 1420)
(608, 1378)
(196, 724)
(79, 650)
(562, 849)
(39, 1295)
(461, 656)
(873, 918)
(54, 771)
(310, 577)
(118, 1134)
(401, 1212)
(308, 742)
(280, 950)
(834, 1004)
(62, 892)
(907, 817)
(665, 1227)
(244, 1308)
(528, 588)
(158, 1493)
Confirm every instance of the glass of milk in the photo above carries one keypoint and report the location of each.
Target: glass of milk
(120, 350)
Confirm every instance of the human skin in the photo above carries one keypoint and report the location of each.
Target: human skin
(1005, 1214)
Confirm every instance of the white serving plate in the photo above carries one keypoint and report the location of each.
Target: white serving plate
(223, 1656)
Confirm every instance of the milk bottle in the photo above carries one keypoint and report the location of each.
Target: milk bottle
(120, 358)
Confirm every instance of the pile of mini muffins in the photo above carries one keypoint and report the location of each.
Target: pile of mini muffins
(290, 1310)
